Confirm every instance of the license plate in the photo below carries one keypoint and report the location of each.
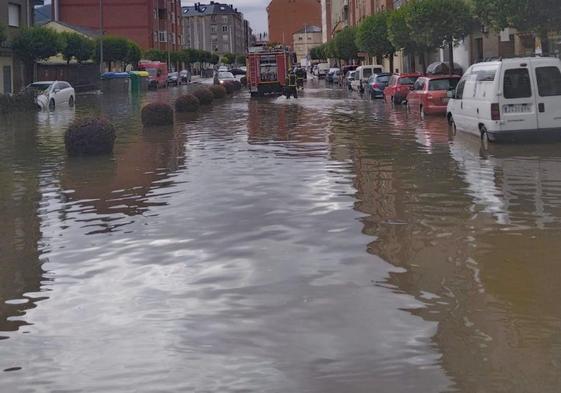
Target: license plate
(517, 108)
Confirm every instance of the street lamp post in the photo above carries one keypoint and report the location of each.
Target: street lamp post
(101, 37)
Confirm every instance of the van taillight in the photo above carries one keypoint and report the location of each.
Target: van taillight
(495, 112)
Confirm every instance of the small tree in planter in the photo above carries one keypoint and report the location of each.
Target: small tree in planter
(204, 95)
(218, 91)
(157, 114)
(187, 103)
(90, 136)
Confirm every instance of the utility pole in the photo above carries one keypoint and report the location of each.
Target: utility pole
(101, 38)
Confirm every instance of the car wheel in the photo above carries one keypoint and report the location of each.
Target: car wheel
(52, 104)
(71, 101)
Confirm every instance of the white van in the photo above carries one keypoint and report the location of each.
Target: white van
(508, 98)
(322, 70)
(363, 73)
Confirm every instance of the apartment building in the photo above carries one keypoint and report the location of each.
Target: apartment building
(215, 27)
(152, 24)
(14, 15)
(305, 39)
(288, 16)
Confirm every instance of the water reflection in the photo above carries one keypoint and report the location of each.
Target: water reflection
(20, 232)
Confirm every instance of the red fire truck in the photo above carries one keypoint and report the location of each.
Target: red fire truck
(267, 70)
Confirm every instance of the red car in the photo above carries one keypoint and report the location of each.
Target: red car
(399, 87)
(430, 94)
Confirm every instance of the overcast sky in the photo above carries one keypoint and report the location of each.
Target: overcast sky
(254, 11)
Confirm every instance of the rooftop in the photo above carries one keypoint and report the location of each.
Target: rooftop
(213, 8)
(308, 29)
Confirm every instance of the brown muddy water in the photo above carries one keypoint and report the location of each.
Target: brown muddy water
(329, 244)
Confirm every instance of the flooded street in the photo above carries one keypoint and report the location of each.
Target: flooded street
(327, 244)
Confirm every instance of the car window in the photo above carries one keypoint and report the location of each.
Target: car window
(225, 75)
(58, 86)
(443, 84)
(549, 81)
(408, 80)
(460, 89)
(383, 78)
(366, 72)
(517, 84)
(40, 86)
(378, 70)
(485, 73)
(418, 85)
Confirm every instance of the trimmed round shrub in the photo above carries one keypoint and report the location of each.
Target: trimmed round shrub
(243, 80)
(157, 114)
(187, 103)
(229, 86)
(89, 136)
(218, 91)
(204, 95)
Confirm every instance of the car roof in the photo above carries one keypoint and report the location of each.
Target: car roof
(408, 75)
(435, 77)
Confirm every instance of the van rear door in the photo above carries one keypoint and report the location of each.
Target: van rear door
(518, 99)
(548, 83)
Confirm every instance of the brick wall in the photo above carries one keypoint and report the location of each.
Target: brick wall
(288, 16)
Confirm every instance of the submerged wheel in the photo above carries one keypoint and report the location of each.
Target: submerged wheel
(452, 125)
(422, 112)
(71, 101)
(52, 104)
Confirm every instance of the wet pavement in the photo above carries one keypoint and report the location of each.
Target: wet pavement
(328, 244)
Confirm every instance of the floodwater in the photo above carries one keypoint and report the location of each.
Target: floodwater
(329, 244)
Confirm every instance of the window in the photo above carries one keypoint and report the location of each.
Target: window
(418, 85)
(224, 28)
(14, 12)
(485, 74)
(407, 81)
(549, 81)
(443, 84)
(225, 19)
(516, 83)
(213, 28)
(163, 36)
(225, 37)
(460, 90)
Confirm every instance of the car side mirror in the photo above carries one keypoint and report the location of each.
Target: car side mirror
(451, 94)
(56, 91)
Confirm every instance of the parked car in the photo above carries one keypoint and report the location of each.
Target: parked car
(332, 75)
(399, 87)
(376, 84)
(363, 73)
(185, 77)
(349, 78)
(237, 71)
(221, 77)
(52, 94)
(508, 98)
(173, 78)
(223, 68)
(348, 68)
(429, 94)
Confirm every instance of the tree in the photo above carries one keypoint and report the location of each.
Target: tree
(228, 58)
(36, 43)
(156, 55)
(534, 16)
(134, 53)
(214, 59)
(345, 44)
(77, 46)
(115, 49)
(240, 59)
(455, 22)
(372, 36)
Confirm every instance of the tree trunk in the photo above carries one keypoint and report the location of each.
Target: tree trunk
(391, 63)
(412, 62)
(423, 61)
(544, 41)
(451, 58)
